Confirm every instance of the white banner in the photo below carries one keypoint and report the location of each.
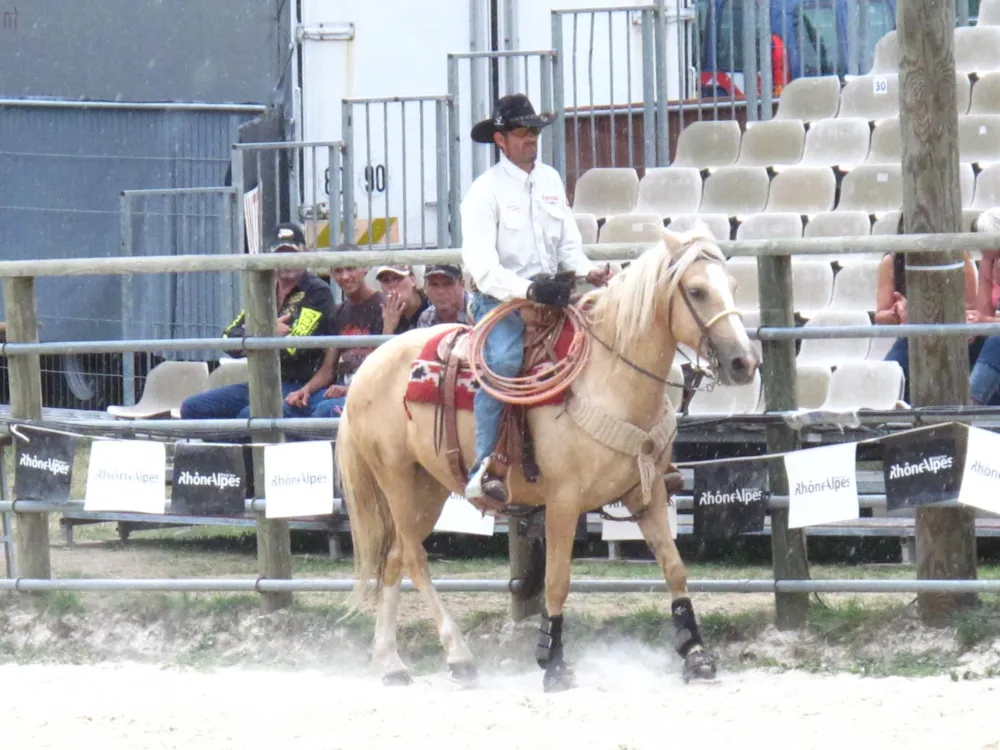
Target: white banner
(981, 477)
(822, 485)
(459, 516)
(626, 531)
(127, 476)
(298, 479)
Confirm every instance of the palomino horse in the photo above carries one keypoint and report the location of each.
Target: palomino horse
(396, 483)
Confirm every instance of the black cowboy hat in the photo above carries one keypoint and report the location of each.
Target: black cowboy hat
(512, 111)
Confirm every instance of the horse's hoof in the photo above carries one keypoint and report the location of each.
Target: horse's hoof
(397, 679)
(558, 677)
(699, 665)
(464, 673)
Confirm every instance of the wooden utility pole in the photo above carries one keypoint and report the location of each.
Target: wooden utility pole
(788, 546)
(935, 281)
(274, 543)
(32, 532)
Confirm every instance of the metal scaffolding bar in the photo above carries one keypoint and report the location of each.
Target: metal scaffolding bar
(474, 585)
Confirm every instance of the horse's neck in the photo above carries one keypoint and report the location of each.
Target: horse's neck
(626, 391)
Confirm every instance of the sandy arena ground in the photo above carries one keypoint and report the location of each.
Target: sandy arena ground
(626, 700)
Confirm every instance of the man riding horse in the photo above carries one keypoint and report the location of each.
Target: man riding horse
(518, 232)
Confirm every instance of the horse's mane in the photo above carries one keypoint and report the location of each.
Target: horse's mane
(629, 300)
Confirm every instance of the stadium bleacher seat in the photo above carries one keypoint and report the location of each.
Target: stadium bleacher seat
(875, 188)
(854, 286)
(880, 347)
(802, 190)
(708, 144)
(865, 384)
(987, 190)
(842, 142)
(885, 56)
(873, 97)
(631, 228)
(989, 13)
(887, 143)
(604, 191)
(979, 138)
(769, 143)
(887, 223)
(167, 385)
(728, 399)
(977, 49)
(718, 224)
(768, 226)
(735, 191)
(809, 99)
(812, 285)
(833, 352)
(839, 224)
(587, 224)
(812, 383)
(669, 191)
(986, 95)
(231, 370)
(744, 273)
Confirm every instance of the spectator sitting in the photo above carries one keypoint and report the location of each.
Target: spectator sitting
(891, 306)
(984, 380)
(360, 314)
(404, 302)
(304, 306)
(446, 293)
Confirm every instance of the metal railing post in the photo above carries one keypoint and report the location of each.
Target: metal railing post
(659, 16)
(454, 154)
(558, 161)
(128, 360)
(443, 199)
(549, 143)
(648, 90)
(349, 211)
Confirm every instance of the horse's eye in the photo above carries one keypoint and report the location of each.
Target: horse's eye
(697, 293)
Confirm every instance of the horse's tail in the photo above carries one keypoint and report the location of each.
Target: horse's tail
(372, 528)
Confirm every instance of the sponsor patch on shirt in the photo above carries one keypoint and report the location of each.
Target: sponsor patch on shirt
(552, 200)
(513, 207)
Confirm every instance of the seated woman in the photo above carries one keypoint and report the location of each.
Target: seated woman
(984, 380)
(890, 307)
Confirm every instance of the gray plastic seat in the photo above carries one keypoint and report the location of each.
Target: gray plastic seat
(989, 13)
(604, 191)
(770, 143)
(855, 286)
(631, 228)
(842, 142)
(812, 384)
(812, 285)
(719, 225)
(839, 224)
(587, 224)
(875, 188)
(987, 193)
(669, 190)
(887, 223)
(977, 49)
(985, 98)
(834, 352)
(885, 57)
(735, 191)
(744, 272)
(802, 190)
(887, 143)
(167, 385)
(865, 384)
(874, 97)
(979, 138)
(770, 226)
(708, 144)
(809, 99)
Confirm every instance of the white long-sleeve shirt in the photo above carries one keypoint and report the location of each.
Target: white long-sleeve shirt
(516, 224)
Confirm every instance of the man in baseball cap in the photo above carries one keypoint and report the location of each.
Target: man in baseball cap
(446, 293)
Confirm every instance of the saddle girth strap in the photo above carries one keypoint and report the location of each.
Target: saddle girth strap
(452, 444)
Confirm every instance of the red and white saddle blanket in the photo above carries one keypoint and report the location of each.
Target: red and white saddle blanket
(428, 368)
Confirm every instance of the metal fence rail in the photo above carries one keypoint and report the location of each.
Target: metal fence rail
(485, 585)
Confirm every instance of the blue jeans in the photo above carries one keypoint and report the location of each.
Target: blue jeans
(984, 363)
(503, 354)
(984, 380)
(233, 402)
(329, 407)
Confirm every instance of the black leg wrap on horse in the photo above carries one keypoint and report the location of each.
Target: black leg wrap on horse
(550, 646)
(686, 635)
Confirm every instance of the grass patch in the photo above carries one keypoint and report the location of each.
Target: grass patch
(851, 622)
(978, 625)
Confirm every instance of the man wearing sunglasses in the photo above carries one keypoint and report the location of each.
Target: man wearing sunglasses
(517, 232)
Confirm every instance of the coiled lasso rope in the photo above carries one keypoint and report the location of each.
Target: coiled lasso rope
(542, 385)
